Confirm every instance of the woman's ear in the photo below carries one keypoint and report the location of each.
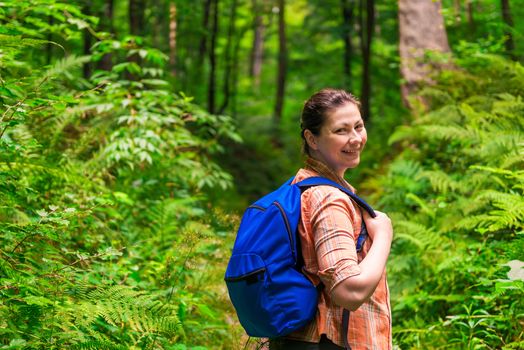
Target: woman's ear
(310, 139)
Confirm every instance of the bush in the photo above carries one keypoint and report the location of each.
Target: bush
(106, 233)
(456, 198)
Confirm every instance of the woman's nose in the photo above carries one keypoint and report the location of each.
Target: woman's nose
(355, 137)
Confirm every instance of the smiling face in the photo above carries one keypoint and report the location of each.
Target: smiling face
(340, 140)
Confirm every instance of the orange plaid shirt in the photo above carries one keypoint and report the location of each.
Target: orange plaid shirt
(329, 228)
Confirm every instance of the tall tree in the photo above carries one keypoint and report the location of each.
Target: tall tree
(367, 29)
(86, 69)
(172, 37)
(106, 23)
(471, 19)
(137, 10)
(227, 58)
(211, 89)
(421, 28)
(205, 24)
(257, 50)
(235, 69)
(282, 65)
(347, 24)
(136, 26)
(87, 42)
(508, 20)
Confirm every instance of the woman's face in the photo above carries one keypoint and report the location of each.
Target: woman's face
(341, 139)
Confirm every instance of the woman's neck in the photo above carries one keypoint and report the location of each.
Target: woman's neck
(324, 170)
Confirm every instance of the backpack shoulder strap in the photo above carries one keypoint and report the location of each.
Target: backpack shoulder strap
(317, 181)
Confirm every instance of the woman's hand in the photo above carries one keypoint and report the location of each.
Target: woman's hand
(379, 227)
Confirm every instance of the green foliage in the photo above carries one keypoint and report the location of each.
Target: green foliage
(107, 236)
(456, 197)
(106, 229)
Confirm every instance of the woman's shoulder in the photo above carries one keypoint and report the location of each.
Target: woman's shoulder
(303, 174)
(321, 193)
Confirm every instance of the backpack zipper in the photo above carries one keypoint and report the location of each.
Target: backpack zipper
(288, 227)
(246, 276)
(254, 206)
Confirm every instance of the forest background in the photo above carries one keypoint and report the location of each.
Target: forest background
(134, 132)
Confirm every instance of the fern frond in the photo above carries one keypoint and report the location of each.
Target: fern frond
(471, 222)
(18, 41)
(464, 135)
(64, 65)
(504, 200)
(465, 205)
(474, 117)
(440, 181)
(511, 174)
(416, 233)
(509, 110)
(121, 306)
(437, 97)
(403, 132)
(509, 212)
(514, 160)
(448, 114)
(98, 345)
(495, 145)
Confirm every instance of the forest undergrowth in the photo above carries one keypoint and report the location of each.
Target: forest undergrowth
(111, 238)
(455, 195)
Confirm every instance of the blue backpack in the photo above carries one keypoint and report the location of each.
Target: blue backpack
(271, 296)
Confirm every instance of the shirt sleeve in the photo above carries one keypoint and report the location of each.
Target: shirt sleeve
(332, 217)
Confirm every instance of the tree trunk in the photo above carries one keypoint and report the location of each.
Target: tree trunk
(136, 27)
(106, 63)
(508, 20)
(227, 58)
(457, 12)
(160, 26)
(172, 37)
(136, 16)
(421, 29)
(365, 44)
(205, 24)
(281, 75)
(257, 51)
(347, 22)
(471, 20)
(212, 60)
(86, 69)
(234, 73)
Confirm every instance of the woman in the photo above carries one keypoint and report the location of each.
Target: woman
(334, 136)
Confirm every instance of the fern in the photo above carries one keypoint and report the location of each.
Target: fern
(64, 65)
(123, 307)
(440, 181)
(465, 136)
(67, 210)
(423, 237)
(458, 196)
(98, 345)
(17, 41)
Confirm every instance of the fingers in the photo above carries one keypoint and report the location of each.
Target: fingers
(377, 213)
(381, 220)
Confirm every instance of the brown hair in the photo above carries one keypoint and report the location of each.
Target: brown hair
(316, 108)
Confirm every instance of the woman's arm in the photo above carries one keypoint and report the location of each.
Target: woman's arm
(355, 290)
